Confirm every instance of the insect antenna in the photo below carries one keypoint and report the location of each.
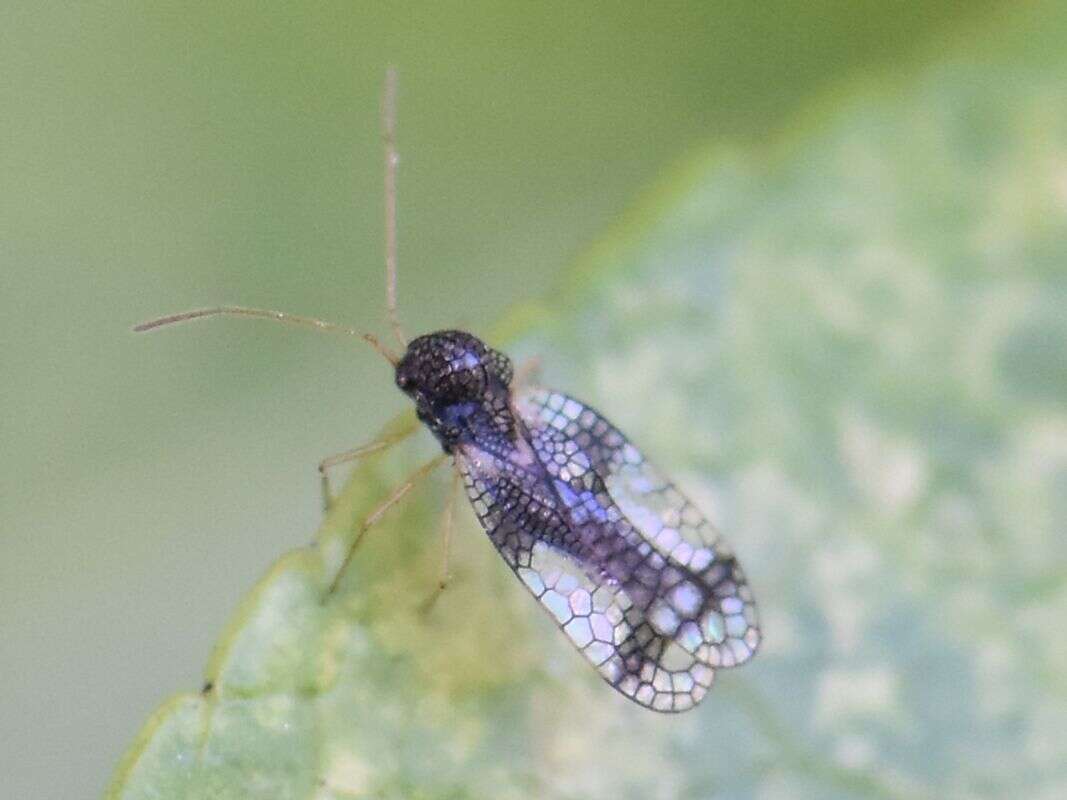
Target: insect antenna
(392, 160)
(275, 316)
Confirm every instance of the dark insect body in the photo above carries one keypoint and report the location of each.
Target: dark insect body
(631, 571)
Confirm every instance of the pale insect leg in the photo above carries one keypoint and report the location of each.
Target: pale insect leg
(447, 526)
(355, 454)
(368, 522)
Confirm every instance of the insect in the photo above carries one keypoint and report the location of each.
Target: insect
(631, 571)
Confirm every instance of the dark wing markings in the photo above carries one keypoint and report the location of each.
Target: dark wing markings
(630, 570)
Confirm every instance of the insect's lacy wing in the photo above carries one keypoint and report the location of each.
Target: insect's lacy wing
(598, 615)
(581, 448)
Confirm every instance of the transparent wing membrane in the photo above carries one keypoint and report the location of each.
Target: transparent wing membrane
(630, 570)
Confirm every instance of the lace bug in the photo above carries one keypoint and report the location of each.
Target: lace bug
(631, 571)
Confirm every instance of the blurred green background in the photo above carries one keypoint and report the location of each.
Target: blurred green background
(154, 159)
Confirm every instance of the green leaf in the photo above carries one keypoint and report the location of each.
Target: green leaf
(850, 350)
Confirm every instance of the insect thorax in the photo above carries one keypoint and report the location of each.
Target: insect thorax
(461, 389)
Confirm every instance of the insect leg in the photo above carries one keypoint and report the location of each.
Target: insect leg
(368, 522)
(447, 526)
(355, 454)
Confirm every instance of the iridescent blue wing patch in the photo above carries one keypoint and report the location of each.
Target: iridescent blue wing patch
(630, 570)
(662, 516)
